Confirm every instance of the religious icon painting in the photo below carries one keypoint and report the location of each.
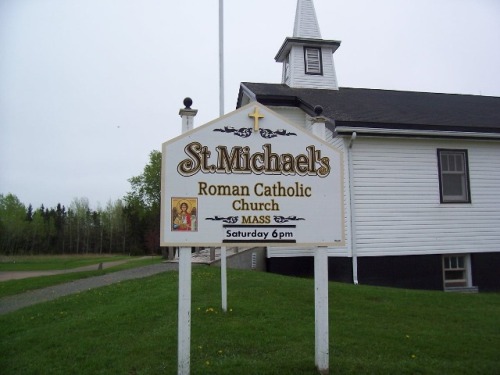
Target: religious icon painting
(184, 214)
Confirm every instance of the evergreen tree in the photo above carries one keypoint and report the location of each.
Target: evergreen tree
(29, 213)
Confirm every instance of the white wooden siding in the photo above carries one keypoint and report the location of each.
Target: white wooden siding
(303, 120)
(294, 115)
(341, 144)
(397, 203)
(298, 77)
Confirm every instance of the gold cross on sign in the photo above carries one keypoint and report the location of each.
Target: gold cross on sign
(256, 116)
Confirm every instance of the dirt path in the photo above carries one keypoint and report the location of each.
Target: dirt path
(13, 303)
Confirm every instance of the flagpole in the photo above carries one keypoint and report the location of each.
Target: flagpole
(223, 253)
(221, 57)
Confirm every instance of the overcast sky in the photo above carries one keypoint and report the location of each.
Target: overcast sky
(88, 88)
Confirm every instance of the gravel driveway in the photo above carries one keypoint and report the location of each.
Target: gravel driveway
(13, 303)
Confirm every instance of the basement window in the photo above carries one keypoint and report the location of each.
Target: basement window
(457, 273)
(453, 176)
(313, 62)
(454, 271)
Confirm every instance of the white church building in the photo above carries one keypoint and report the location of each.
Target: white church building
(421, 173)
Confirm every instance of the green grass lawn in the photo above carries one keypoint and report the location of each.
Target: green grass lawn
(54, 262)
(131, 328)
(37, 263)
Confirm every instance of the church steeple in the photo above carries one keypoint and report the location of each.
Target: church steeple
(307, 59)
(306, 23)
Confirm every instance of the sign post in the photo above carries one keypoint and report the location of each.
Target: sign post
(184, 312)
(223, 277)
(253, 178)
(322, 345)
(321, 310)
(184, 308)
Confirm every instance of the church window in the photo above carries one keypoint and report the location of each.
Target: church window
(286, 70)
(313, 62)
(453, 176)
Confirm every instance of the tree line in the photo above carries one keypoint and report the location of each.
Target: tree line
(130, 225)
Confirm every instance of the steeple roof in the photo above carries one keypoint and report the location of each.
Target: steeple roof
(306, 23)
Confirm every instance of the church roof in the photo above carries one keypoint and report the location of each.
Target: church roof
(388, 109)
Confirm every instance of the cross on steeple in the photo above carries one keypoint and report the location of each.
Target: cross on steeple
(256, 116)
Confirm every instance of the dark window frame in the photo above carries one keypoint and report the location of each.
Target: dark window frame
(466, 180)
(320, 73)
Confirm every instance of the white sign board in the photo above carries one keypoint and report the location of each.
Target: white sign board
(251, 177)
